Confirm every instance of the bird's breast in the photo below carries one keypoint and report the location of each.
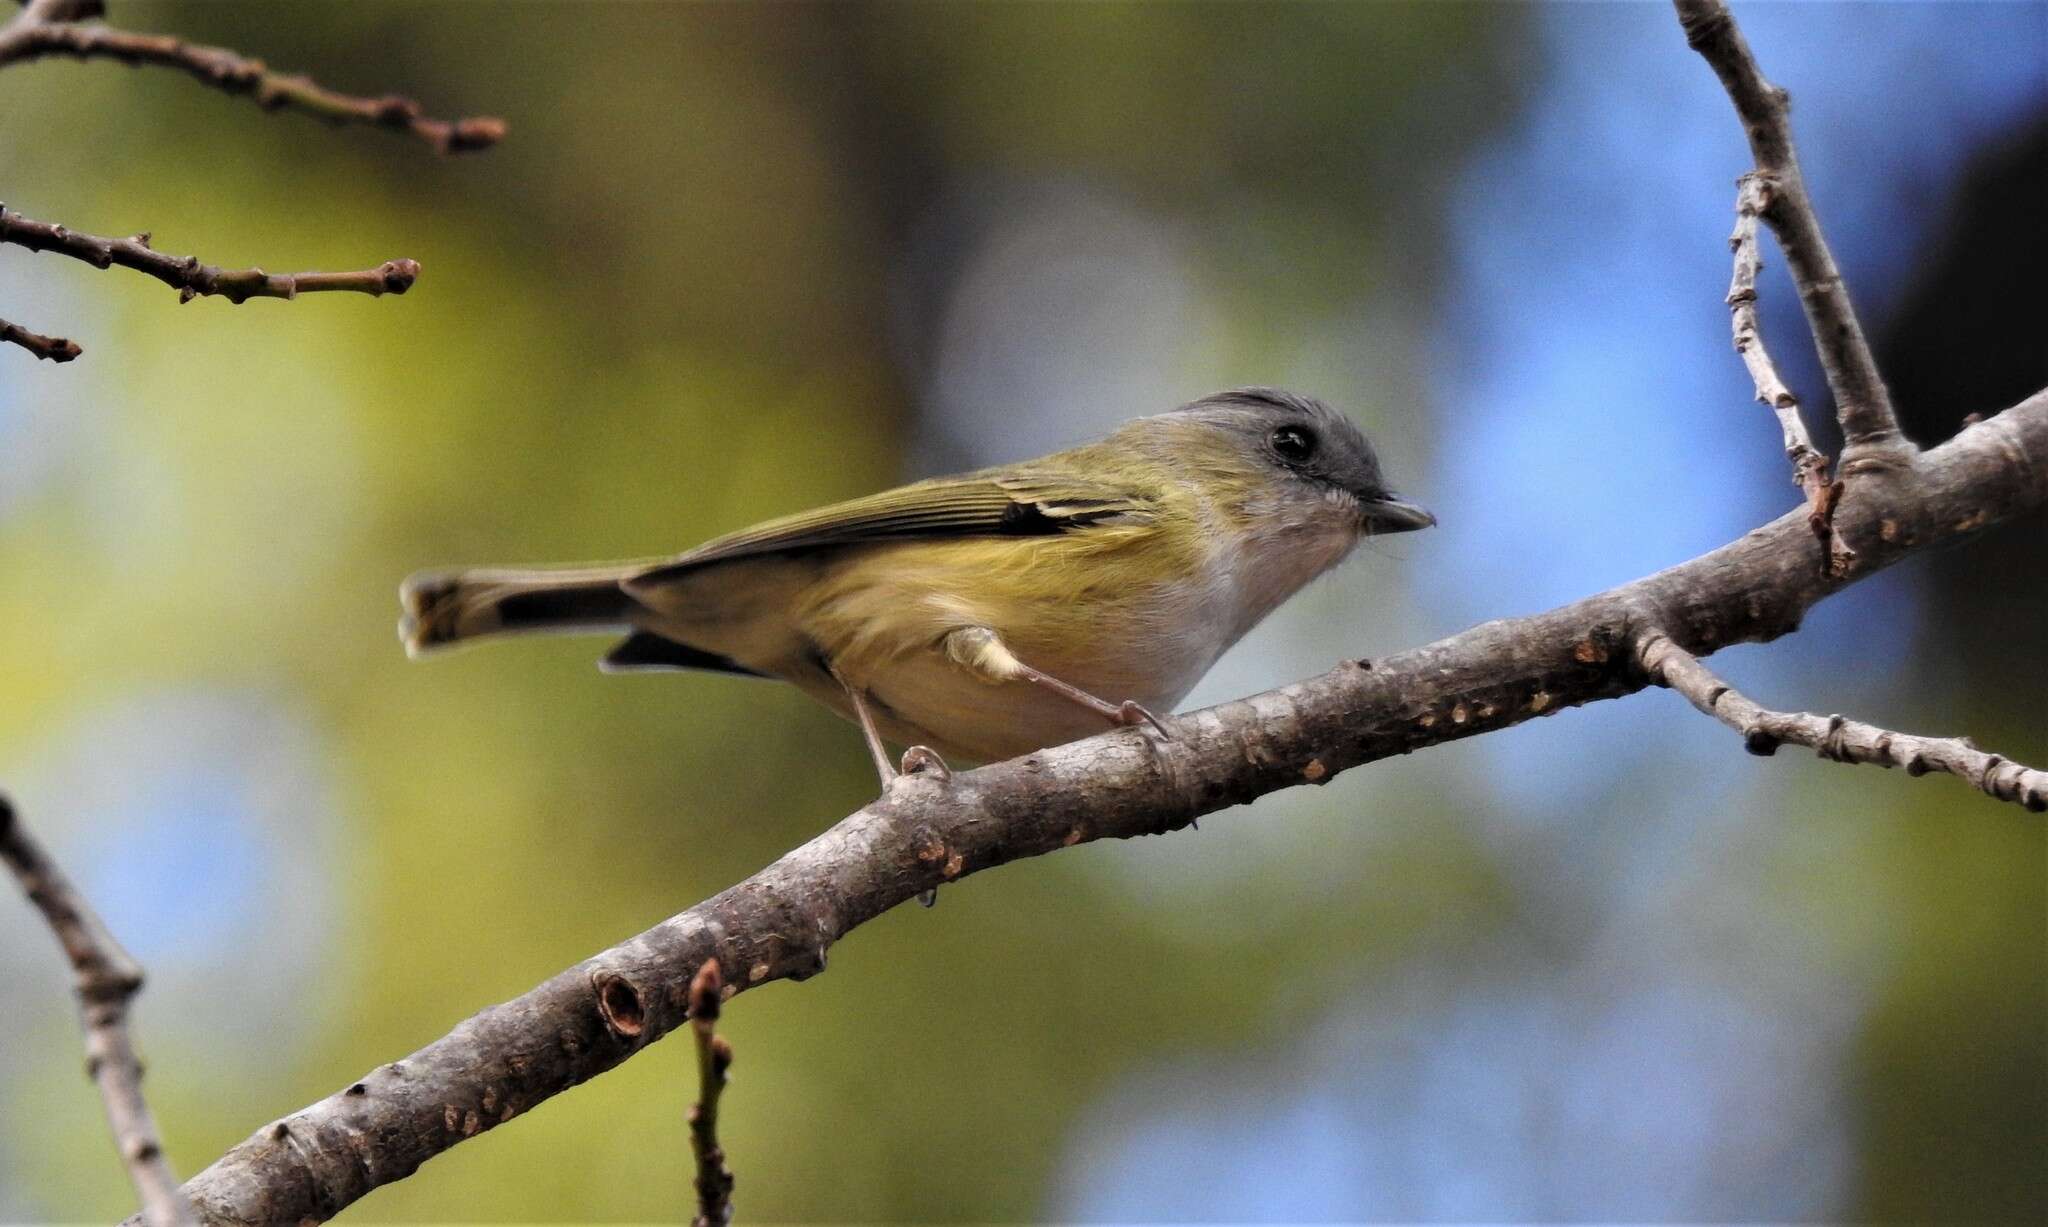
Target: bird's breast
(1110, 615)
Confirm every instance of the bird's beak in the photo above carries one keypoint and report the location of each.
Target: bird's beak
(1390, 513)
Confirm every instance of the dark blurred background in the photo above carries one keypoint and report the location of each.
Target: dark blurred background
(734, 261)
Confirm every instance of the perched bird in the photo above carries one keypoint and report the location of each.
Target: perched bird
(994, 613)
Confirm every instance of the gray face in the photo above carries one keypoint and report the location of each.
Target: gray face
(1309, 442)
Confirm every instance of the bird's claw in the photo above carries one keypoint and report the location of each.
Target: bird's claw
(925, 761)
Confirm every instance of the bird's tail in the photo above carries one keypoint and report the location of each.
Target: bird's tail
(445, 607)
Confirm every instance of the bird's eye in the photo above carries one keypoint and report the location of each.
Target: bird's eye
(1294, 444)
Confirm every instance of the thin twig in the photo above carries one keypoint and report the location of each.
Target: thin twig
(30, 37)
(107, 980)
(1861, 402)
(56, 349)
(1809, 465)
(714, 1059)
(1833, 737)
(191, 278)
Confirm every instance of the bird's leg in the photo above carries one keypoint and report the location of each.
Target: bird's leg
(983, 651)
(916, 760)
(883, 767)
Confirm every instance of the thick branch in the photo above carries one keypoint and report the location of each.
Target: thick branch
(31, 37)
(56, 349)
(780, 922)
(1861, 402)
(1809, 466)
(106, 981)
(191, 278)
(1832, 737)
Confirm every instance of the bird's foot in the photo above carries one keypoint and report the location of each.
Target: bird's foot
(925, 763)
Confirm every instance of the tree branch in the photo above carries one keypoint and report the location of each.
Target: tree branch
(780, 922)
(45, 30)
(56, 27)
(106, 981)
(1832, 737)
(1861, 402)
(56, 349)
(1809, 466)
(714, 1059)
(191, 278)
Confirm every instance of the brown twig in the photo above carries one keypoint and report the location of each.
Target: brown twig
(1809, 465)
(107, 980)
(1861, 402)
(779, 923)
(32, 36)
(714, 1059)
(191, 278)
(56, 349)
(1834, 738)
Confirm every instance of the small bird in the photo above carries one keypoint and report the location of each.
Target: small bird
(994, 613)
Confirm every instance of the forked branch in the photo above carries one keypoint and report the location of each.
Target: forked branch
(1861, 402)
(1833, 737)
(106, 980)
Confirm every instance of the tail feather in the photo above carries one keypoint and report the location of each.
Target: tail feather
(445, 607)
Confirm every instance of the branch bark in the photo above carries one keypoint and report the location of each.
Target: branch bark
(56, 349)
(106, 980)
(1861, 401)
(191, 278)
(780, 923)
(39, 31)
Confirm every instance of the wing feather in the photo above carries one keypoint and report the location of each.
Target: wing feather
(987, 504)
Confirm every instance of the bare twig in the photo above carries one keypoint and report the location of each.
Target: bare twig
(33, 35)
(191, 278)
(780, 922)
(57, 27)
(1861, 402)
(56, 349)
(106, 981)
(1832, 737)
(714, 1059)
(1809, 466)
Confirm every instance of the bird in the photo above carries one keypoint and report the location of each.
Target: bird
(994, 613)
